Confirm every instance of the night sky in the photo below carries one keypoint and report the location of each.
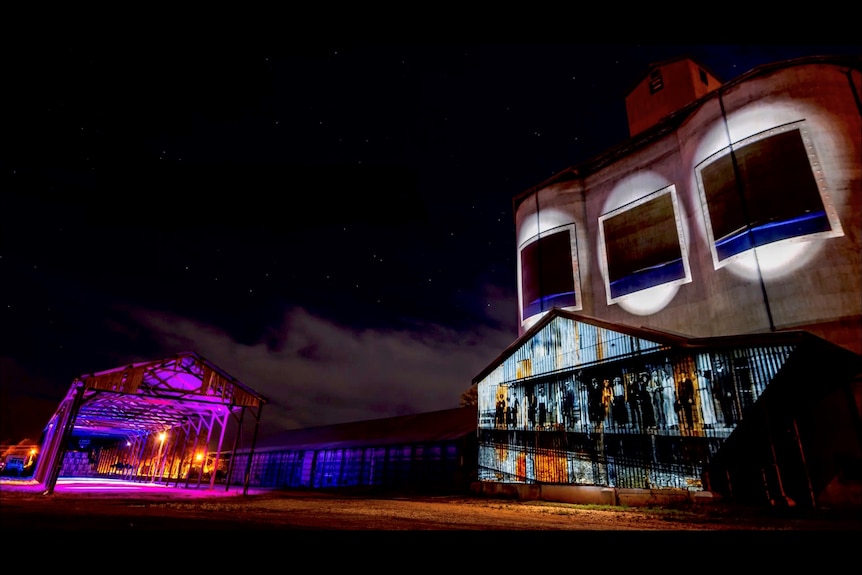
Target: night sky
(331, 225)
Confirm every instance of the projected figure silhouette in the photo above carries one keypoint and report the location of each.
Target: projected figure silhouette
(704, 390)
(668, 388)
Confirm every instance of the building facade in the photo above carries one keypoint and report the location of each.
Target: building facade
(730, 220)
(433, 452)
(738, 213)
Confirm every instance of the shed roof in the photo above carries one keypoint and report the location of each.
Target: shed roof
(667, 339)
(429, 427)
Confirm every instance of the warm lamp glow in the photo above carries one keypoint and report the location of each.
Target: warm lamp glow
(162, 436)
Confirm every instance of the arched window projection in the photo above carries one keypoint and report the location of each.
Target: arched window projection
(643, 245)
(762, 190)
(548, 271)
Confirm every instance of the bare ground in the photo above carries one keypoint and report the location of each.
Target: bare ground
(289, 510)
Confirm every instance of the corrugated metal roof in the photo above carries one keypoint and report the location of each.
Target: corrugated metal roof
(429, 427)
(667, 338)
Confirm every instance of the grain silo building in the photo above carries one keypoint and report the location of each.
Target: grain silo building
(690, 301)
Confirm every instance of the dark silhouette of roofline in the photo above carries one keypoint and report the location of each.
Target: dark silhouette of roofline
(427, 427)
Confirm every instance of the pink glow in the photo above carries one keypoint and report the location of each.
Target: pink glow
(104, 486)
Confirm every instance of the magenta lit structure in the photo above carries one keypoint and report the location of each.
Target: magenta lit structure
(154, 421)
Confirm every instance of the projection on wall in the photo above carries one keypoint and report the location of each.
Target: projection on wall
(580, 404)
(547, 272)
(760, 191)
(642, 245)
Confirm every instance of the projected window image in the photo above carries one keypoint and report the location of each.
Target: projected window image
(547, 272)
(642, 245)
(762, 192)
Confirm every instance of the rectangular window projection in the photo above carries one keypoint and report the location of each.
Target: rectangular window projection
(547, 273)
(761, 193)
(642, 245)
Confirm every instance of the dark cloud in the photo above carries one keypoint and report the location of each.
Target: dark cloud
(321, 372)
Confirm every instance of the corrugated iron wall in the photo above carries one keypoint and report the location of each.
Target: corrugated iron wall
(650, 420)
(440, 466)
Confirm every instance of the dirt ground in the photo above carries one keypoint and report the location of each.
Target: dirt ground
(286, 510)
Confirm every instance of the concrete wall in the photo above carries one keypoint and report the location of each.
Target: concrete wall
(813, 283)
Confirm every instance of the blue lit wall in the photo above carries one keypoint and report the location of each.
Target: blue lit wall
(433, 467)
